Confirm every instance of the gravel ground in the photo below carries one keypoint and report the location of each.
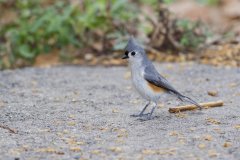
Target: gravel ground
(73, 112)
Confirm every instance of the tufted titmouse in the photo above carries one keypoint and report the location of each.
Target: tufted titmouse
(147, 81)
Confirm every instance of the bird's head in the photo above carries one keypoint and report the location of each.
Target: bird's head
(134, 52)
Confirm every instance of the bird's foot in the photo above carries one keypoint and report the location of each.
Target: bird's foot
(143, 117)
(146, 118)
(139, 115)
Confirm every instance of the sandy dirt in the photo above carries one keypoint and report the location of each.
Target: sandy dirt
(73, 112)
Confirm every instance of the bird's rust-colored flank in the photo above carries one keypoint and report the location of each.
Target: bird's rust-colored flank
(155, 88)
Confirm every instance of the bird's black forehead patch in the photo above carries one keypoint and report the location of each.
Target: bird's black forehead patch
(126, 52)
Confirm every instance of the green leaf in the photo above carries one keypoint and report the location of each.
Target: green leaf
(25, 52)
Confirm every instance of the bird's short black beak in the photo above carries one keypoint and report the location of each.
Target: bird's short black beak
(125, 56)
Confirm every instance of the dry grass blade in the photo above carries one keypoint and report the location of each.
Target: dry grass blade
(8, 128)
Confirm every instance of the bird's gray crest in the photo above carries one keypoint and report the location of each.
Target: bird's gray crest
(133, 45)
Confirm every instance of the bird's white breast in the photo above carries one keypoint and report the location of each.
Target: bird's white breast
(142, 85)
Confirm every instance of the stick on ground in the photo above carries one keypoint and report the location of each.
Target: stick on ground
(192, 107)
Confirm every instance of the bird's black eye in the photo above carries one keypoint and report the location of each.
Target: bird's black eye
(133, 53)
(126, 53)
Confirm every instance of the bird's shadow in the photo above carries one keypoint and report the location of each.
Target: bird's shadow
(164, 116)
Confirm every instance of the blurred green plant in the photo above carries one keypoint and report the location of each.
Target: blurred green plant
(42, 26)
(210, 2)
(155, 3)
(168, 1)
(192, 35)
(39, 29)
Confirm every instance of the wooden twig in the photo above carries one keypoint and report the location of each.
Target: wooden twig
(8, 128)
(192, 107)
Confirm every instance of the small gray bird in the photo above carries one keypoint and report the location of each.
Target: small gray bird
(147, 81)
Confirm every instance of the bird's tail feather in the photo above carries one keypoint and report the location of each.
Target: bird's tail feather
(182, 98)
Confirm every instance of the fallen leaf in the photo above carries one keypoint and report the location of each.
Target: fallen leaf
(71, 116)
(59, 134)
(181, 115)
(213, 121)
(103, 129)
(166, 151)
(44, 130)
(95, 152)
(47, 60)
(201, 146)
(69, 141)
(233, 85)
(182, 141)
(115, 110)
(213, 93)
(212, 153)
(218, 130)
(122, 130)
(50, 150)
(65, 131)
(237, 126)
(135, 101)
(80, 143)
(227, 144)
(98, 46)
(174, 133)
(72, 123)
(74, 100)
(88, 56)
(115, 149)
(160, 105)
(122, 135)
(207, 137)
(148, 151)
(192, 129)
(120, 140)
(75, 149)
(115, 129)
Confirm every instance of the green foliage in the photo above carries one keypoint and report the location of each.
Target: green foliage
(209, 2)
(150, 2)
(168, 1)
(37, 30)
(42, 26)
(189, 38)
(40, 29)
(154, 3)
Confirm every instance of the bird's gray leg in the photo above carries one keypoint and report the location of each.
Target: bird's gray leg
(155, 105)
(150, 114)
(142, 112)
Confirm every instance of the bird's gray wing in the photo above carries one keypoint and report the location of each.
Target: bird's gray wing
(153, 77)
